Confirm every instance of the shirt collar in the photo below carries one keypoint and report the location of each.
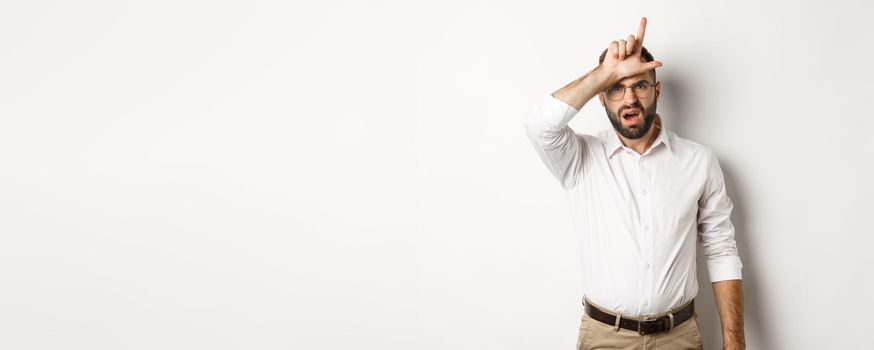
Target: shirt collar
(613, 142)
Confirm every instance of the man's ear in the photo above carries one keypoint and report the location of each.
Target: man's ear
(601, 98)
(658, 89)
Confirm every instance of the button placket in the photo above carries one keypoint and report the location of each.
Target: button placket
(646, 223)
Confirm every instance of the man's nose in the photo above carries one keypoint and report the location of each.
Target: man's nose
(629, 98)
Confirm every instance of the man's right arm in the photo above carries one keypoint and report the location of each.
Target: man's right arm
(580, 91)
(558, 146)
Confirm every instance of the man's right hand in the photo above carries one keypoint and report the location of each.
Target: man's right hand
(622, 60)
(623, 57)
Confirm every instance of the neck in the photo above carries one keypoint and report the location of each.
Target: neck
(642, 144)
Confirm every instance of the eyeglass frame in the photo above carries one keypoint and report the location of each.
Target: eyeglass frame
(625, 89)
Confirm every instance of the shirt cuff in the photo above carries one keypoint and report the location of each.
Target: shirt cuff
(724, 268)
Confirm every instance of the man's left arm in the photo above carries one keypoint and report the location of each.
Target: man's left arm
(730, 303)
(716, 234)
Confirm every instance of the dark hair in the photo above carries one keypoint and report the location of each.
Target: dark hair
(644, 54)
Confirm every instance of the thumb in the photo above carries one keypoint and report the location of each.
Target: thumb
(652, 65)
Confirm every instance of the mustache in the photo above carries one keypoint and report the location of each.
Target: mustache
(635, 105)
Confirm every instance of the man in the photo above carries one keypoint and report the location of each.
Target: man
(641, 197)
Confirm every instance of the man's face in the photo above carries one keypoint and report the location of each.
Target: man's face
(632, 116)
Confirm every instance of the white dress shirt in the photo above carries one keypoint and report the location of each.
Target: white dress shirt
(638, 217)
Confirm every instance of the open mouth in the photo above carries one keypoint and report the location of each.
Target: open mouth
(631, 116)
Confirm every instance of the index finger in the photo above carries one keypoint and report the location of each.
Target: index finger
(640, 31)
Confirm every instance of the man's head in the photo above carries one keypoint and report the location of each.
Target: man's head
(632, 112)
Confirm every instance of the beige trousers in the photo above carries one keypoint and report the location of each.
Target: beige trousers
(597, 335)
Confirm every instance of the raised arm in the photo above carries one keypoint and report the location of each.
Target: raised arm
(558, 146)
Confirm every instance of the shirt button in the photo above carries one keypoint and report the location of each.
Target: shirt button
(645, 303)
(644, 192)
(646, 228)
(646, 266)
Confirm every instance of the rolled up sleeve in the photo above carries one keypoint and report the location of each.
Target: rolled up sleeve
(557, 145)
(715, 230)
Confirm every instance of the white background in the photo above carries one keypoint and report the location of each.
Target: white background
(328, 175)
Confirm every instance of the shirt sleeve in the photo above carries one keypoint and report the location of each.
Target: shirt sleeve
(560, 148)
(715, 229)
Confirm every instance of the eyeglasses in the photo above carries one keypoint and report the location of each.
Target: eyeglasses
(641, 89)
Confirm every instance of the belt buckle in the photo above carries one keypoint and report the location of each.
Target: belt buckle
(667, 322)
(664, 321)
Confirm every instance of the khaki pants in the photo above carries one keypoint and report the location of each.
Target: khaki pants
(597, 335)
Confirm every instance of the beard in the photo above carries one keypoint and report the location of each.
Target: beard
(636, 131)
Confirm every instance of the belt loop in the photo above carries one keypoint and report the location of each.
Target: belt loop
(616, 326)
(671, 316)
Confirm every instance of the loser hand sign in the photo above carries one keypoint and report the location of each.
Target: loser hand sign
(623, 56)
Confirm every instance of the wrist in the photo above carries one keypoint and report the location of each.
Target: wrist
(604, 78)
(734, 342)
(733, 346)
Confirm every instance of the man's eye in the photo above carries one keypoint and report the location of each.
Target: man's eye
(640, 86)
(616, 89)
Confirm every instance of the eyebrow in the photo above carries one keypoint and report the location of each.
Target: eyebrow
(635, 83)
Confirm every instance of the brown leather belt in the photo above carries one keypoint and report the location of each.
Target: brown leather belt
(663, 323)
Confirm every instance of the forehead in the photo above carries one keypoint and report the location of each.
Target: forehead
(633, 79)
